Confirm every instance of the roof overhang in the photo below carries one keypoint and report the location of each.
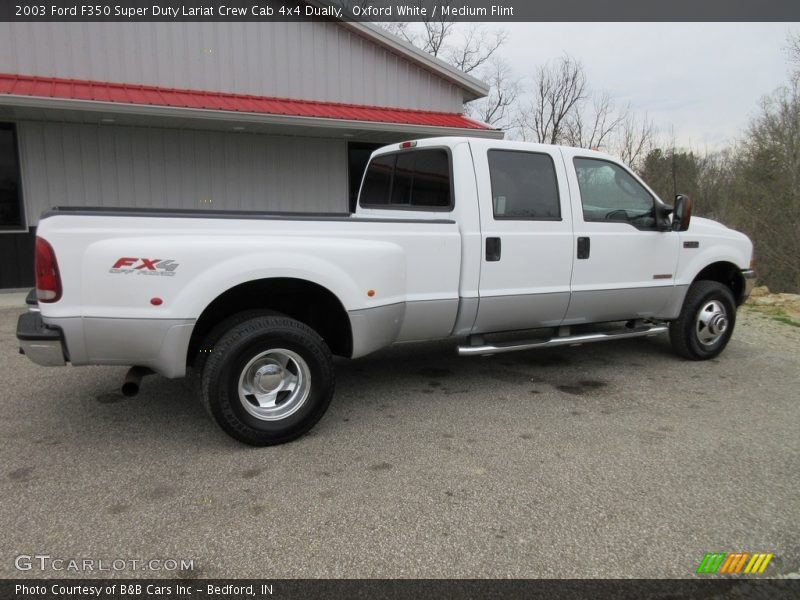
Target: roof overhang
(25, 97)
(164, 116)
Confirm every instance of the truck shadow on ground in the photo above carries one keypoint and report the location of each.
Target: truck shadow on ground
(399, 376)
(434, 368)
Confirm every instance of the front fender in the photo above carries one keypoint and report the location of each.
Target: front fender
(707, 243)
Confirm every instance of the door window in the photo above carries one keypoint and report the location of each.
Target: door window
(524, 185)
(609, 193)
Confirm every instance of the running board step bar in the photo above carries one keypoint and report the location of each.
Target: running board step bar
(566, 340)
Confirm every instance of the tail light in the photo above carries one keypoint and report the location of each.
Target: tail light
(48, 280)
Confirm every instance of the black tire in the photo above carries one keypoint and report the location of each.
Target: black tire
(688, 332)
(231, 383)
(220, 329)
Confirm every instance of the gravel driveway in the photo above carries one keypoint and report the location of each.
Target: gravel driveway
(607, 460)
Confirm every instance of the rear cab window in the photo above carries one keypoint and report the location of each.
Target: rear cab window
(419, 179)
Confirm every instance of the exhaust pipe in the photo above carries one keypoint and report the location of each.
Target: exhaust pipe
(133, 380)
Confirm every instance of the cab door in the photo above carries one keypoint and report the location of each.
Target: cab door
(623, 265)
(526, 235)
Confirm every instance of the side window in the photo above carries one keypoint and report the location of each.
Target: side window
(358, 154)
(378, 181)
(610, 193)
(524, 185)
(415, 179)
(403, 179)
(431, 179)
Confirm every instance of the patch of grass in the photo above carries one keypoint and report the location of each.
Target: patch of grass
(765, 310)
(775, 313)
(786, 320)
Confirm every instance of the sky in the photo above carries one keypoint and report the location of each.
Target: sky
(702, 80)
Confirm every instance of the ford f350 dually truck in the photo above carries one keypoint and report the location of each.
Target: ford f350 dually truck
(452, 237)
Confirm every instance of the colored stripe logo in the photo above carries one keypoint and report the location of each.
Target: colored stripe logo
(734, 563)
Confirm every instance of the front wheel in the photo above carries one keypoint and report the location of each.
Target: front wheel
(268, 380)
(706, 322)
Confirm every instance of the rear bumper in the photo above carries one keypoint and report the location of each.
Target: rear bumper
(42, 344)
(749, 283)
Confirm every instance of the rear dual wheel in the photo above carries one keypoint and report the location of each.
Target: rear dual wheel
(268, 379)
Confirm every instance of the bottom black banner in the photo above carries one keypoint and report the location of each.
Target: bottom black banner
(393, 589)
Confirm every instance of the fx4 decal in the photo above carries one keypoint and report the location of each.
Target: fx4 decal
(145, 266)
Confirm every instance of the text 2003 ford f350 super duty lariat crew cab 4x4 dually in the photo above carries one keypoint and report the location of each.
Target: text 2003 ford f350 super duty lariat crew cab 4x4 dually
(452, 237)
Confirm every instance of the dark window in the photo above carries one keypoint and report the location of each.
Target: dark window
(524, 185)
(609, 193)
(358, 154)
(11, 214)
(403, 178)
(411, 179)
(378, 180)
(431, 178)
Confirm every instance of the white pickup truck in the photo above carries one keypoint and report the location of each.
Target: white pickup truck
(453, 237)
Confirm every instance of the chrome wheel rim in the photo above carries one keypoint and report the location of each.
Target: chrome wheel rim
(711, 323)
(274, 384)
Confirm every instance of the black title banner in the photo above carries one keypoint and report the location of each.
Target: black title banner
(400, 10)
(379, 589)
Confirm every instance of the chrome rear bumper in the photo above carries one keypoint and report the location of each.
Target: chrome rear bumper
(40, 343)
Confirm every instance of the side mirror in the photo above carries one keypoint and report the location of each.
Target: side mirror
(662, 212)
(682, 213)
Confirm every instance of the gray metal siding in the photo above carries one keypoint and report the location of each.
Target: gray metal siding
(74, 164)
(312, 60)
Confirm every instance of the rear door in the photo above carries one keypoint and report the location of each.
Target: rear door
(623, 266)
(526, 234)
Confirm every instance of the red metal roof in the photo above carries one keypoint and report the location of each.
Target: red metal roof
(124, 93)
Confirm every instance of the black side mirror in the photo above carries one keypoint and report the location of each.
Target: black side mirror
(662, 212)
(682, 213)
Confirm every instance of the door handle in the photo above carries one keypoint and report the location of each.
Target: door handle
(493, 248)
(584, 246)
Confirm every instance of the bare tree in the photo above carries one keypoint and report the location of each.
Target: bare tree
(558, 89)
(769, 170)
(400, 29)
(793, 50)
(473, 50)
(634, 139)
(476, 47)
(430, 35)
(467, 49)
(592, 126)
(496, 109)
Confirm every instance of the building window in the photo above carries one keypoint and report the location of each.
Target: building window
(413, 179)
(358, 154)
(524, 185)
(12, 215)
